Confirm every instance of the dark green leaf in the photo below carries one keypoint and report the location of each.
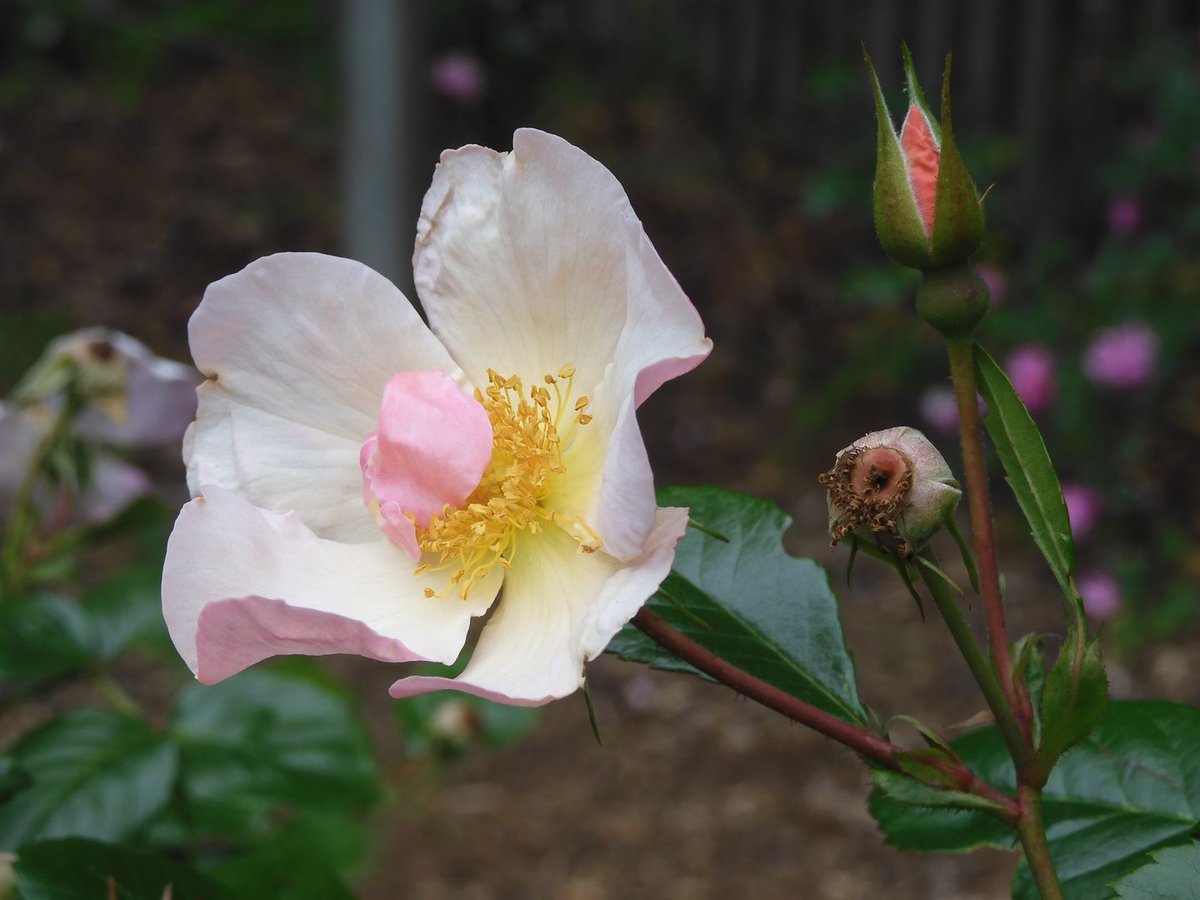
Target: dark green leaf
(1073, 698)
(264, 741)
(752, 604)
(95, 773)
(74, 868)
(1174, 875)
(304, 860)
(1027, 466)
(42, 636)
(125, 610)
(902, 789)
(1131, 787)
(1029, 676)
(13, 779)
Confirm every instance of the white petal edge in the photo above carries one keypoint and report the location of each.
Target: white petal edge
(241, 584)
(560, 608)
(308, 342)
(520, 259)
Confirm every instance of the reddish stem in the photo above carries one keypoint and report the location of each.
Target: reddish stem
(962, 371)
(861, 741)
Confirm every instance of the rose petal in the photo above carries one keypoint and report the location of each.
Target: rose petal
(520, 259)
(560, 608)
(300, 339)
(241, 584)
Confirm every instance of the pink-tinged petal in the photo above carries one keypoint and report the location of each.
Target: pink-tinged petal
(521, 259)
(923, 155)
(560, 608)
(303, 344)
(241, 584)
(433, 443)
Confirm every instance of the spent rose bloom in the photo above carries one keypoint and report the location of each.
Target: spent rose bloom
(1122, 357)
(1031, 369)
(364, 484)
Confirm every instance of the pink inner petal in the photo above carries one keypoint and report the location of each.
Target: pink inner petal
(430, 450)
(924, 156)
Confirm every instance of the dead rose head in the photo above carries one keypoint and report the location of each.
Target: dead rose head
(365, 484)
(891, 487)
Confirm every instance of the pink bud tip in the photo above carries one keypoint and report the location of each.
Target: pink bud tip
(923, 155)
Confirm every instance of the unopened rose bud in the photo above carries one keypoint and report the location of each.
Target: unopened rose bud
(892, 487)
(927, 210)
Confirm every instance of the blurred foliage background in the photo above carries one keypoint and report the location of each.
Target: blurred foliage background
(148, 147)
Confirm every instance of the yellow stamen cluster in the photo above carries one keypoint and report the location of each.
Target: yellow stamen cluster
(510, 497)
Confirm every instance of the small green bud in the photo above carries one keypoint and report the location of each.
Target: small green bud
(927, 210)
(892, 487)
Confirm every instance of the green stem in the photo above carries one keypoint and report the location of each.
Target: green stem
(1032, 833)
(962, 372)
(21, 518)
(947, 603)
(115, 694)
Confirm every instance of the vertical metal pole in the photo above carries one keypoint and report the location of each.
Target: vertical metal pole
(379, 87)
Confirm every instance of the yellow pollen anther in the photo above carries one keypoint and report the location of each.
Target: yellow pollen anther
(511, 497)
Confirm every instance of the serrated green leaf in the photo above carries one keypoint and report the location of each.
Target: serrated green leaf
(762, 610)
(1073, 699)
(263, 741)
(1129, 788)
(74, 868)
(1027, 466)
(1029, 676)
(904, 790)
(1174, 875)
(95, 773)
(42, 636)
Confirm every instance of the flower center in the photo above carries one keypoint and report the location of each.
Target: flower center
(529, 428)
(869, 488)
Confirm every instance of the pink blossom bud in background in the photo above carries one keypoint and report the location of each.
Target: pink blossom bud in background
(1101, 594)
(1124, 215)
(459, 78)
(938, 407)
(1083, 508)
(1122, 357)
(1031, 369)
(996, 281)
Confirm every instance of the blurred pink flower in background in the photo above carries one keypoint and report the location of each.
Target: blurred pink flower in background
(1101, 594)
(995, 279)
(1123, 356)
(938, 408)
(459, 78)
(132, 399)
(1124, 215)
(1083, 508)
(1031, 369)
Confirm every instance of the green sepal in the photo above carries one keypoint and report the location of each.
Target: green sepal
(916, 95)
(1074, 699)
(957, 212)
(1029, 677)
(932, 738)
(897, 218)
